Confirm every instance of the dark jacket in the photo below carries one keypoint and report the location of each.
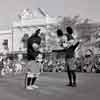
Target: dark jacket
(31, 53)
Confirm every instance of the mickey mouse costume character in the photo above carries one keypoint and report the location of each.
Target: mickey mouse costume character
(34, 57)
(69, 44)
(72, 44)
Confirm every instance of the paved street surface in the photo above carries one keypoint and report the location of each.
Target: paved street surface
(52, 87)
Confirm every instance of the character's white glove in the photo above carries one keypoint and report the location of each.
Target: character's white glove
(39, 58)
(35, 46)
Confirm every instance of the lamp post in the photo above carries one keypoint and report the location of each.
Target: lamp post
(46, 32)
(12, 31)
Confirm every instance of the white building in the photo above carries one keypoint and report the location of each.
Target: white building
(6, 36)
(27, 23)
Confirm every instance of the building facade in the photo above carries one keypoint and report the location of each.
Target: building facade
(26, 25)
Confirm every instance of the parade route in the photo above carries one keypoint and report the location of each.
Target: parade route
(51, 87)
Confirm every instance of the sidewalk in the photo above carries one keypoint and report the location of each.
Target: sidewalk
(51, 87)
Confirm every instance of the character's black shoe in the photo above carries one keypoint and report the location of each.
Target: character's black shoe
(74, 85)
(70, 84)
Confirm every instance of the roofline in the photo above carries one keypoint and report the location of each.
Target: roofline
(5, 31)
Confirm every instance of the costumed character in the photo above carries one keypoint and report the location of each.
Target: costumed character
(33, 65)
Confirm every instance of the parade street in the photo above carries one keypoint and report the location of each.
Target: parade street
(51, 87)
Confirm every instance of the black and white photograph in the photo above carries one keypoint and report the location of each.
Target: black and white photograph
(49, 49)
